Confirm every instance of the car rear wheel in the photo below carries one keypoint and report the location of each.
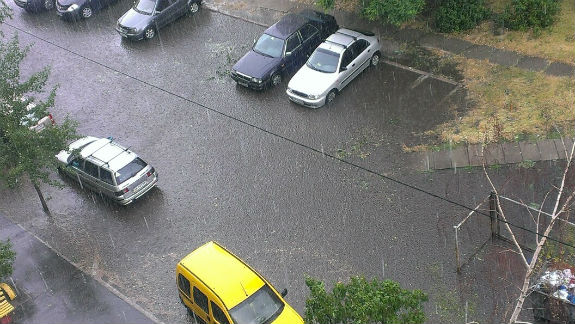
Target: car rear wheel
(330, 97)
(194, 7)
(86, 12)
(375, 59)
(149, 33)
(276, 79)
(48, 4)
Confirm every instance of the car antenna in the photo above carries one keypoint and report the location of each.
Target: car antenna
(245, 292)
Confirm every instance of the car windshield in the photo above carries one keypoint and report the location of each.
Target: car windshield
(145, 6)
(259, 308)
(269, 46)
(130, 170)
(323, 60)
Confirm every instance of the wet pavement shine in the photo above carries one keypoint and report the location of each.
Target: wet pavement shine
(292, 191)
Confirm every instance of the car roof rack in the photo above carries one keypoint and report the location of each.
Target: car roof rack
(342, 33)
(336, 43)
(110, 141)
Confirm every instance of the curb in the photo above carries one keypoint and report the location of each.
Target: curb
(99, 280)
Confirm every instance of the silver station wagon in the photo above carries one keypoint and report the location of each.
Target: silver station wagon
(108, 168)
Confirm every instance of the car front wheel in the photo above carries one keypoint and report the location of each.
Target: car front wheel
(149, 33)
(194, 7)
(86, 12)
(276, 79)
(330, 97)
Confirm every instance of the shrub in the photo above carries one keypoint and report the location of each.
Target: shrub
(525, 14)
(459, 15)
(394, 12)
(325, 4)
(6, 259)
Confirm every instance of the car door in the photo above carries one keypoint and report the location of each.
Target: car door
(346, 67)
(91, 175)
(310, 38)
(107, 182)
(164, 12)
(200, 306)
(361, 60)
(293, 51)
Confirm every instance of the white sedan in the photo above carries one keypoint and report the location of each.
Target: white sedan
(332, 66)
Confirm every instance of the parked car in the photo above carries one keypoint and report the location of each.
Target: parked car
(283, 47)
(108, 168)
(35, 5)
(332, 66)
(146, 17)
(80, 9)
(218, 287)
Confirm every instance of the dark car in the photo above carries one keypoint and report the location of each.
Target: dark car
(76, 9)
(35, 5)
(283, 47)
(147, 16)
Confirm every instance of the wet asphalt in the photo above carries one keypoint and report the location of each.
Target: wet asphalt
(250, 169)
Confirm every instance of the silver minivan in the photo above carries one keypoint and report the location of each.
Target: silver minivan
(108, 168)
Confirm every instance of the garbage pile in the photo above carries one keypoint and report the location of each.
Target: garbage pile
(559, 284)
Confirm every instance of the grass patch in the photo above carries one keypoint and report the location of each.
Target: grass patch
(554, 43)
(429, 60)
(511, 104)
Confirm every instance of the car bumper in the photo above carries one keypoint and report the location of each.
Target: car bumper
(129, 34)
(140, 193)
(249, 84)
(68, 15)
(312, 103)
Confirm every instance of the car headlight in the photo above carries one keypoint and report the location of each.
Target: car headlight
(256, 80)
(313, 97)
(73, 7)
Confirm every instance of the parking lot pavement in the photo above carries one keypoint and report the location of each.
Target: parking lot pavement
(51, 290)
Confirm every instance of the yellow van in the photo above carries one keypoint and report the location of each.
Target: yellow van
(218, 287)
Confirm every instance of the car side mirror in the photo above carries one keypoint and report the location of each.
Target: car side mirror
(343, 68)
(284, 292)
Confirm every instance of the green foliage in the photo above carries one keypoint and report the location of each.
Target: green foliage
(325, 4)
(423, 59)
(7, 256)
(525, 14)
(5, 12)
(459, 15)
(394, 12)
(363, 302)
(25, 152)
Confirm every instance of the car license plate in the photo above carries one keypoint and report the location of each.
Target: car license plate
(140, 186)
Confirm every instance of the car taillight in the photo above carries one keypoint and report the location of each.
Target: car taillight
(121, 192)
(52, 119)
(149, 173)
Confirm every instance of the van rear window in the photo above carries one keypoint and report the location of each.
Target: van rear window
(130, 170)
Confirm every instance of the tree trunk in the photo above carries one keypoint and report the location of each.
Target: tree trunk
(42, 200)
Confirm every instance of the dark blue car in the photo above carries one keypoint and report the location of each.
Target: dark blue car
(283, 47)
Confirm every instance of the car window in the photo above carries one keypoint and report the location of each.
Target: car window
(257, 308)
(201, 300)
(323, 60)
(348, 56)
(145, 7)
(360, 45)
(106, 176)
(308, 31)
(162, 4)
(130, 170)
(269, 46)
(91, 169)
(184, 284)
(292, 43)
(219, 314)
(77, 163)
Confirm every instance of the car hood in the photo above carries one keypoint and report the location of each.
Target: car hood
(71, 2)
(288, 316)
(312, 82)
(134, 19)
(256, 65)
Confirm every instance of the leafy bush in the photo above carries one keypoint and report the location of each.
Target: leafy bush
(6, 259)
(362, 302)
(525, 14)
(392, 11)
(459, 15)
(325, 4)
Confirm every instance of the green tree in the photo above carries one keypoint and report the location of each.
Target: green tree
(7, 256)
(394, 12)
(363, 302)
(5, 12)
(25, 153)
